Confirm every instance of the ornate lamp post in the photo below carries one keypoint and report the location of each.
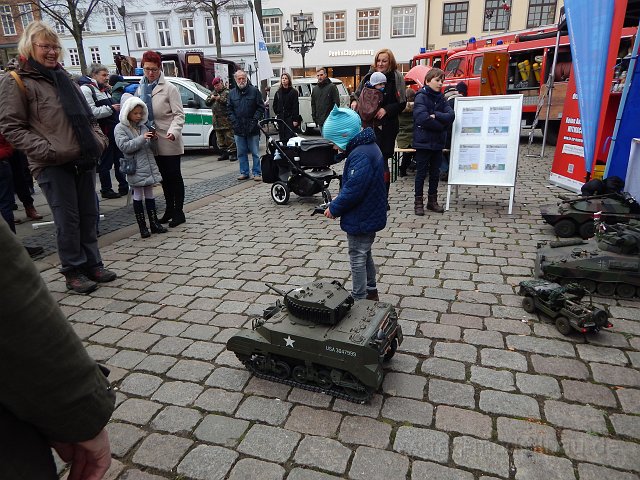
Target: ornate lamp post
(307, 32)
(123, 13)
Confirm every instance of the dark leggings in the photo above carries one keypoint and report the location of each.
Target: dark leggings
(172, 182)
(427, 160)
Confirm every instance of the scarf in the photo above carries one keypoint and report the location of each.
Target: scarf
(146, 89)
(77, 110)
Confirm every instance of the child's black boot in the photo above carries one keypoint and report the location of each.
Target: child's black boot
(138, 209)
(155, 225)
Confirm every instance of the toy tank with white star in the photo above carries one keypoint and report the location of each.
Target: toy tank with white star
(320, 339)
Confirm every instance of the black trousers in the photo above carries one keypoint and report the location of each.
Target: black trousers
(22, 180)
(428, 160)
(172, 181)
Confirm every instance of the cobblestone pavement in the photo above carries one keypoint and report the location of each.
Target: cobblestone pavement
(478, 390)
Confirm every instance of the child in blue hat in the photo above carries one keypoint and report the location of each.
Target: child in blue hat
(362, 202)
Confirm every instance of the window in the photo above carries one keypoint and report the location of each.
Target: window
(541, 12)
(454, 18)
(188, 32)
(237, 28)
(95, 54)
(495, 17)
(59, 28)
(115, 50)
(369, 23)
(140, 34)
(74, 57)
(211, 33)
(164, 37)
(403, 21)
(26, 13)
(110, 18)
(477, 65)
(272, 28)
(8, 26)
(297, 38)
(454, 68)
(335, 26)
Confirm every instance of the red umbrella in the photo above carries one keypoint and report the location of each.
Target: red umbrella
(415, 77)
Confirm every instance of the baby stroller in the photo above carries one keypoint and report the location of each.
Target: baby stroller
(303, 169)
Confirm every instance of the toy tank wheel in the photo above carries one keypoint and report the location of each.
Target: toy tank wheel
(324, 379)
(392, 350)
(588, 285)
(281, 369)
(565, 228)
(625, 290)
(280, 193)
(299, 374)
(586, 230)
(529, 304)
(326, 196)
(563, 325)
(606, 289)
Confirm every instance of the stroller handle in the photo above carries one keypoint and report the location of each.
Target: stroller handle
(278, 122)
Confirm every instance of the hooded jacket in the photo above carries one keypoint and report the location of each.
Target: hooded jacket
(131, 142)
(362, 201)
(431, 133)
(36, 123)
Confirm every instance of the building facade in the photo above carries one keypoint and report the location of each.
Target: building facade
(15, 16)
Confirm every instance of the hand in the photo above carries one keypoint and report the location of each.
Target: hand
(149, 135)
(327, 213)
(433, 115)
(116, 107)
(170, 136)
(380, 113)
(295, 124)
(354, 105)
(89, 460)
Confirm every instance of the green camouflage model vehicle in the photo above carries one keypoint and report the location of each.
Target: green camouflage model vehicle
(574, 216)
(608, 264)
(320, 339)
(563, 304)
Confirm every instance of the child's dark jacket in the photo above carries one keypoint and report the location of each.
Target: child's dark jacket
(431, 133)
(362, 202)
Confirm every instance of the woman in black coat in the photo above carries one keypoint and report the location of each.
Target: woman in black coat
(286, 107)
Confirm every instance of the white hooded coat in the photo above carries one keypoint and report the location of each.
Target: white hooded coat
(131, 142)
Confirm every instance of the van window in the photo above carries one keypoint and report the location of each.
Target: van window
(186, 95)
(304, 90)
(454, 69)
(477, 65)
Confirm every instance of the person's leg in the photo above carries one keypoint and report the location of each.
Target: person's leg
(123, 186)
(254, 147)
(221, 140)
(167, 187)
(138, 210)
(421, 175)
(230, 140)
(435, 158)
(243, 160)
(372, 288)
(6, 194)
(174, 173)
(104, 173)
(359, 245)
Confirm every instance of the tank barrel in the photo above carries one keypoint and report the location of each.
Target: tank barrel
(275, 289)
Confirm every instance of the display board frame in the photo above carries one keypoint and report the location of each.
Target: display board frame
(485, 143)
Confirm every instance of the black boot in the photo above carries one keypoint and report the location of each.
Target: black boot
(139, 211)
(169, 199)
(178, 214)
(154, 224)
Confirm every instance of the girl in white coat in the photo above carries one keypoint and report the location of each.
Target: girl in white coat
(134, 139)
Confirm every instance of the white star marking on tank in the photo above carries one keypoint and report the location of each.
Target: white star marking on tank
(289, 341)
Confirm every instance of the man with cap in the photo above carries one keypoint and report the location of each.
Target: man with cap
(218, 101)
(362, 202)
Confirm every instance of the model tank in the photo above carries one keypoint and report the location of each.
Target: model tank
(318, 338)
(608, 264)
(574, 216)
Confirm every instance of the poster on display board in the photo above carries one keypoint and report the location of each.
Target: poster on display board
(485, 142)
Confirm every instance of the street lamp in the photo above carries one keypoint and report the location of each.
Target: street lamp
(307, 32)
(123, 12)
(249, 68)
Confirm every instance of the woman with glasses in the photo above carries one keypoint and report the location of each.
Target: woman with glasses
(45, 115)
(166, 119)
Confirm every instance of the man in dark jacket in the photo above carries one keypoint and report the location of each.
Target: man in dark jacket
(362, 202)
(246, 109)
(323, 98)
(53, 393)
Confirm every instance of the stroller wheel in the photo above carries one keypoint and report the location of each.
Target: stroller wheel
(326, 196)
(280, 193)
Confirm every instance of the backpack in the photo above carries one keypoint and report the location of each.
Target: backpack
(368, 104)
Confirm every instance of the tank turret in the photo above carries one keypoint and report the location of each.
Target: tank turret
(318, 338)
(608, 264)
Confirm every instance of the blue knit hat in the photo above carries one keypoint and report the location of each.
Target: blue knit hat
(341, 126)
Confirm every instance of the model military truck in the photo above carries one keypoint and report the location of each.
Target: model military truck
(320, 339)
(563, 304)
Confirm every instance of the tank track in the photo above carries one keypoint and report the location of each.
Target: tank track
(334, 392)
(604, 289)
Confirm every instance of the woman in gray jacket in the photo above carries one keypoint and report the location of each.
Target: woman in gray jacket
(133, 138)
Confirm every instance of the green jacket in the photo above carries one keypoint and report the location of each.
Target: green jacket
(220, 109)
(323, 97)
(50, 389)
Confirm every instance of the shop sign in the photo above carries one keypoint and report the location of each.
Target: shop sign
(350, 53)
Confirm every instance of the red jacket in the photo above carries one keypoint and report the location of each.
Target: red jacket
(6, 150)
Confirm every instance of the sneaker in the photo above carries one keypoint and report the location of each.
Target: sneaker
(79, 283)
(110, 194)
(257, 178)
(100, 274)
(243, 177)
(32, 213)
(34, 251)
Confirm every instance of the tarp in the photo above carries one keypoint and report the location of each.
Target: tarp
(590, 26)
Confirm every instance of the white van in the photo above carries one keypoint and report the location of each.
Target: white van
(304, 87)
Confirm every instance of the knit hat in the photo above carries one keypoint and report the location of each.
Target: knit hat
(377, 77)
(341, 126)
(462, 88)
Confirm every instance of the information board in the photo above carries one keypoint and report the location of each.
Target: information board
(485, 142)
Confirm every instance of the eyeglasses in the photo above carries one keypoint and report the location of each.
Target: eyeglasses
(49, 48)
(151, 70)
